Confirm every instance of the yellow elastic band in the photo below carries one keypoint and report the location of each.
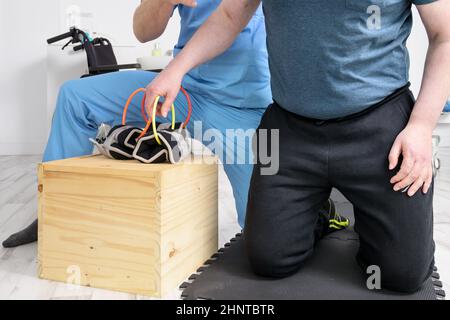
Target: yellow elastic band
(155, 106)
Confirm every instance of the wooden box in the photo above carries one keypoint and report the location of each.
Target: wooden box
(126, 226)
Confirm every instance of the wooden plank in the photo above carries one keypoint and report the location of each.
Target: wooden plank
(102, 165)
(189, 221)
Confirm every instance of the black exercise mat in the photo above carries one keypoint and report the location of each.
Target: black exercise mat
(332, 273)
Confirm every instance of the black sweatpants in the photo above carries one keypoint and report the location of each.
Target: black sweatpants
(396, 231)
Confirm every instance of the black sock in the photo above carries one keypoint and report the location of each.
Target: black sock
(26, 236)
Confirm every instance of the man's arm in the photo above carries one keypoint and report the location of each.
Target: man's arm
(414, 143)
(151, 17)
(213, 38)
(436, 79)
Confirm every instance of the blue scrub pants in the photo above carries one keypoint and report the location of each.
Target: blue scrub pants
(84, 104)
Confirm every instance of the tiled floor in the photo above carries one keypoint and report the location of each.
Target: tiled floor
(18, 208)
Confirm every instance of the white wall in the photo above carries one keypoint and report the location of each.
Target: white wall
(22, 80)
(27, 24)
(23, 51)
(418, 46)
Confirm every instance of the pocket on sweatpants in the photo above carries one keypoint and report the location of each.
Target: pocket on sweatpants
(405, 105)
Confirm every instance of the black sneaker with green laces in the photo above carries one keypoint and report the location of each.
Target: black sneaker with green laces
(336, 221)
(330, 220)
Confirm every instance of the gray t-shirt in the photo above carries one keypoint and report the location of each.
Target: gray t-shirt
(333, 58)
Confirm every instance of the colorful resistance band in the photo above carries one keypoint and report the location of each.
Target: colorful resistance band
(155, 105)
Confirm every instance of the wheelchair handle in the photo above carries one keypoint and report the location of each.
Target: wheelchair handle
(60, 37)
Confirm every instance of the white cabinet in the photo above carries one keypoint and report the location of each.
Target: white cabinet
(441, 142)
(443, 130)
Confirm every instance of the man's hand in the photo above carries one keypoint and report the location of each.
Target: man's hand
(414, 143)
(166, 85)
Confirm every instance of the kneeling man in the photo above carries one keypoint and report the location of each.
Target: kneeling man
(346, 119)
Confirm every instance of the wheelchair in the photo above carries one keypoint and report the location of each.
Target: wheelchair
(99, 51)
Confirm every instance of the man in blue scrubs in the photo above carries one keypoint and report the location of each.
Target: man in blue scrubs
(346, 119)
(228, 92)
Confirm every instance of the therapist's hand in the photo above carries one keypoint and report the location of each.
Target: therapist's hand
(166, 85)
(414, 143)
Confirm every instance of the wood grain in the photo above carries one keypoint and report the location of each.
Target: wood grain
(125, 226)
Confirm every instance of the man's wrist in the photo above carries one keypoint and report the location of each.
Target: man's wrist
(177, 68)
(180, 65)
(426, 124)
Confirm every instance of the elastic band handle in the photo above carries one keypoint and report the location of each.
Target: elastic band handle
(127, 105)
(189, 102)
(150, 121)
(155, 132)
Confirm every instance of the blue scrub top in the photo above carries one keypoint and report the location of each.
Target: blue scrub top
(238, 78)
